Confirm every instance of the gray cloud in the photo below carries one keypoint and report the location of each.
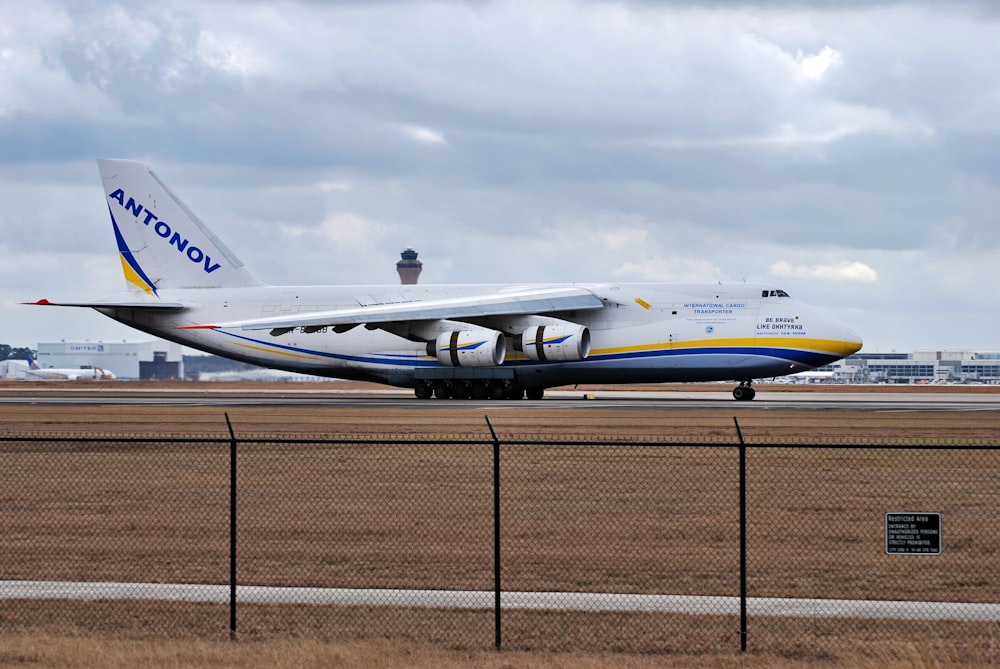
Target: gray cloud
(848, 151)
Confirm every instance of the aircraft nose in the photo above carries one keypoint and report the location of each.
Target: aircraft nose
(854, 341)
(845, 340)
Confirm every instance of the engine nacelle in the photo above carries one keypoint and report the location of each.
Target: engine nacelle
(469, 348)
(556, 342)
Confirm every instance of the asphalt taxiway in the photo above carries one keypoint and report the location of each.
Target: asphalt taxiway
(568, 399)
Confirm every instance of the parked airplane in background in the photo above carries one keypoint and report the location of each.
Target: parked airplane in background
(65, 374)
(499, 341)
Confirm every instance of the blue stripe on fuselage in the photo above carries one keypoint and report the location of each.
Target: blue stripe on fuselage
(803, 357)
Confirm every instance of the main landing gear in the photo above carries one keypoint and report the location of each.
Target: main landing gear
(744, 392)
(477, 389)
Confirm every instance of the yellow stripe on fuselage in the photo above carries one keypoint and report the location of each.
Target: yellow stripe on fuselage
(832, 346)
(287, 354)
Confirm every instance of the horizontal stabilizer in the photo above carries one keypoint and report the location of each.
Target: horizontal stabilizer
(112, 304)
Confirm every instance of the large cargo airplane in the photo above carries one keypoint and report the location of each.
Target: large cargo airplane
(447, 341)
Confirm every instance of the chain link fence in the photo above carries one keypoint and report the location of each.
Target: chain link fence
(634, 546)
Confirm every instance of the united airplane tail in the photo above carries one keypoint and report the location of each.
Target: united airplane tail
(161, 242)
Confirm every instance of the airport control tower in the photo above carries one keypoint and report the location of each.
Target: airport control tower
(409, 267)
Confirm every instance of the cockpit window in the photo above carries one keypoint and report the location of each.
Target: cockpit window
(774, 293)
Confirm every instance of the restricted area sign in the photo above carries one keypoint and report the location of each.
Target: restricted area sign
(912, 533)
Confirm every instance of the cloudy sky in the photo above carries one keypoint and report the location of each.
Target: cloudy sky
(848, 151)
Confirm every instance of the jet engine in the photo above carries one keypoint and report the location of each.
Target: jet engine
(561, 342)
(469, 348)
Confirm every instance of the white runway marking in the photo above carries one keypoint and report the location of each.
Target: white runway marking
(483, 599)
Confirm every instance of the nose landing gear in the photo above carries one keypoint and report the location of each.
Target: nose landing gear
(744, 392)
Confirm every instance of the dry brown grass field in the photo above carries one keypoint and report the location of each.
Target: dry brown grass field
(45, 650)
(55, 635)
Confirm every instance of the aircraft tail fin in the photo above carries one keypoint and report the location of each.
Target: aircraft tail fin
(31, 362)
(161, 242)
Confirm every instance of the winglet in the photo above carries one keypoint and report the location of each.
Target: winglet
(197, 327)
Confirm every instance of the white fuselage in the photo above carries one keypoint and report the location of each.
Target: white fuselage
(643, 333)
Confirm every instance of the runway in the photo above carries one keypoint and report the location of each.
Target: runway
(482, 599)
(220, 396)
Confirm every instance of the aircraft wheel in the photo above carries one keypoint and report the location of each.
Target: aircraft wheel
(498, 390)
(480, 390)
(461, 390)
(423, 390)
(535, 393)
(442, 390)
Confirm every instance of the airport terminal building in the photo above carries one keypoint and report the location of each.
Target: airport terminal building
(155, 359)
(961, 366)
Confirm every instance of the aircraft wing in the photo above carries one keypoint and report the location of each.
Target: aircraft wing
(526, 301)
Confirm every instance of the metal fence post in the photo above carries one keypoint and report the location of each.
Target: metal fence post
(743, 538)
(232, 529)
(496, 535)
